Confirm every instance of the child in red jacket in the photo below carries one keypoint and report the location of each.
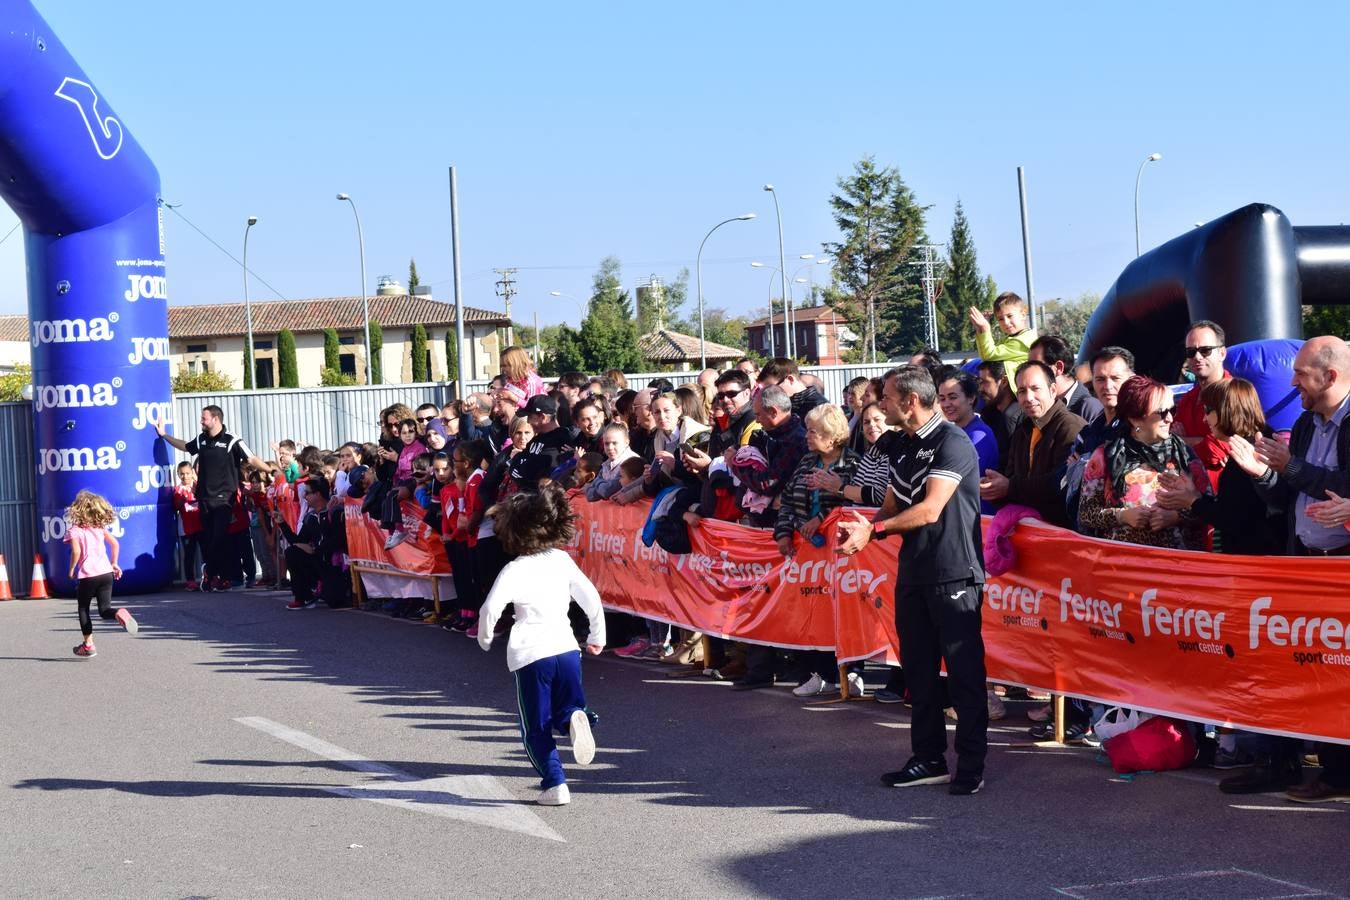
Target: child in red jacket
(189, 522)
(460, 505)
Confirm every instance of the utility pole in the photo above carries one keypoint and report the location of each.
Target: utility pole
(932, 286)
(506, 289)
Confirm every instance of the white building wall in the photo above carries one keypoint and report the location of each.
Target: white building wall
(15, 353)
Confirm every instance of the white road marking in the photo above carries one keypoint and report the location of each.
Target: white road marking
(1087, 890)
(477, 799)
(1288, 807)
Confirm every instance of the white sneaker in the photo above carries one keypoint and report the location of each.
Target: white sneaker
(558, 795)
(855, 685)
(812, 686)
(395, 539)
(583, 742)
(996, 708)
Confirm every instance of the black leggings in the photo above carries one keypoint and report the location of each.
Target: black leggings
(99, 586)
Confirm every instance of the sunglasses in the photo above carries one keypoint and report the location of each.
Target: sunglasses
(1188, 352)
(1167, 412)
(426, 420)
(729, 395)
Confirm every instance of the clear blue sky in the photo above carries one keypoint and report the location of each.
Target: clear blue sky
(584, 130)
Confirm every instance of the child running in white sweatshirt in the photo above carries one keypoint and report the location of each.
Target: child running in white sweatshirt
(542, 652)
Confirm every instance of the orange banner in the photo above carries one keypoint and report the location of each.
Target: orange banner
(1259, 643)
(733, 584)
(422, 553)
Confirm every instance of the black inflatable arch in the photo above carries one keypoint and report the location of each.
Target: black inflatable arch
(1249, 270)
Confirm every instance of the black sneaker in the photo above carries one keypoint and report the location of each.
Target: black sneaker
(916, 772)
(1074, 732)
(1263, 780)
(965, 785)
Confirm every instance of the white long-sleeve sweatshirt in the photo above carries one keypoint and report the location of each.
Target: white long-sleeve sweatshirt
(541, 586)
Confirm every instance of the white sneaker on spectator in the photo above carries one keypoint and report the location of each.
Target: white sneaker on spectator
(855, 685)
(558, 795)
(812, 686)
(395, 539)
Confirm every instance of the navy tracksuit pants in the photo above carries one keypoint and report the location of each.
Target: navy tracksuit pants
(549, 691)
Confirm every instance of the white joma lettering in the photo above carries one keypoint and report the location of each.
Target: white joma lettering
(148, 350)
(79, 459)
(149, 287)
(71, 331)
(62, 396)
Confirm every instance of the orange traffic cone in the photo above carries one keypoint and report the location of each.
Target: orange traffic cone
(5, 593)
(38, 589)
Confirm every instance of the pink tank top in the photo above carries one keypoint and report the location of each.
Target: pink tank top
(93, 551)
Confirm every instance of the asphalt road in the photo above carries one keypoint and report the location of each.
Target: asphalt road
(237, 749)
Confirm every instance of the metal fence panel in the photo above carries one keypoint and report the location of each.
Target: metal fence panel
(18, 493)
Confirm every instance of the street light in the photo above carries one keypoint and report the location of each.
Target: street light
(773, 345)
(250, 376)
(698, 267)
(782, 271)
(576, 300)
(1152, 157)
(365, 303)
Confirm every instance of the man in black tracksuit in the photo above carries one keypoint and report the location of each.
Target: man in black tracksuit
(219, 457)
(934, 501)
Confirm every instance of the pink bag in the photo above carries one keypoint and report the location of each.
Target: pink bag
(1158, 745)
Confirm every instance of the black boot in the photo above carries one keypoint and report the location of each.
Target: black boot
(1262, 779)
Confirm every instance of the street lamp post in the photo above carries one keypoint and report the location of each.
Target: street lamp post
(782, 271)
(1152, 157)
(365, 301)
(698, 267)
(250, 375)
(581, 309)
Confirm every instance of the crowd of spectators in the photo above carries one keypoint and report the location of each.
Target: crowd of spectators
(1101, 450)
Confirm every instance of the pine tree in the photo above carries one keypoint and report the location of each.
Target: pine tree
(963, 289)
(609, 334)
(332, 350)
(376, 345)
(286, 365)
(419, 353)
(880, 222)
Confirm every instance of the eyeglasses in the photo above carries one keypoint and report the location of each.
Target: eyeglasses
(1188, 352)
(729, 395)
(1167, 412)
(426, 420)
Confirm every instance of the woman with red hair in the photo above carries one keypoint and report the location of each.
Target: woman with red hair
(1122, 477)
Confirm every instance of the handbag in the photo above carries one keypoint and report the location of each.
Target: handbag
(1117, 720)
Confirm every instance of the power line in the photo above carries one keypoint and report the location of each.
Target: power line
(173, 208)
(11, 231)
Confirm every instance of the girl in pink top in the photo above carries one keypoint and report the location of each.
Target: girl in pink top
(89, 517)
(522, 381)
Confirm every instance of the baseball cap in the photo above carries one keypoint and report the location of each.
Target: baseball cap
(356, 479)
(542, 404)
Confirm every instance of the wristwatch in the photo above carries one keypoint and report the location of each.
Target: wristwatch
(879, 529)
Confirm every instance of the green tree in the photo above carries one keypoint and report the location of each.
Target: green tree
(880, 222)
(990, 294)
(248, 364)
(1320, 320)
(329, 377)
(721, 327)
(419, 353)
(1069, 318)
(962, 289)
(286, 365)
(332, 350)
(566, 354)
(413, 280)
(12, 383)
(452, 357)
(185, 382)
(376, 345)
(609, 334)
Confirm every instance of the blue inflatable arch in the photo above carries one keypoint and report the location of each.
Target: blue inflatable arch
(88, 198)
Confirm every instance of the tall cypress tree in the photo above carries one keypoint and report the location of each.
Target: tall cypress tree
(287, 369)
(376, 345)
(452, 357)
(419, 353)
(248, 364)
(332, 350)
